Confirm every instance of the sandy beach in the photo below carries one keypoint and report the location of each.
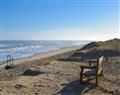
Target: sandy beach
(57, 77)
(43, 55)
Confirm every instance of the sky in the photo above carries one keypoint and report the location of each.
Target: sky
(59, 19)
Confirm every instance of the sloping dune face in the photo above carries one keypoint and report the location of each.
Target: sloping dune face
(110, 44)
(110, 48)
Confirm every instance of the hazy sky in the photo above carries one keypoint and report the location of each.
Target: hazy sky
(60, 19)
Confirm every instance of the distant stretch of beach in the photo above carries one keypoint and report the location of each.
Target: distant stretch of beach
(43, 55)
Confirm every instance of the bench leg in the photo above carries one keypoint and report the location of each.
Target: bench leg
(96, 80)
(81, 75)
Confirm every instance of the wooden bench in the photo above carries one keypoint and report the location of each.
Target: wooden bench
(96, 65)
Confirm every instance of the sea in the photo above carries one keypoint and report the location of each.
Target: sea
(25, 48)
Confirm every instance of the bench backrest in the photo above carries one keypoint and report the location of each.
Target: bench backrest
(100, 64)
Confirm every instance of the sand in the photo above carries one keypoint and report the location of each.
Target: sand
(58, 77)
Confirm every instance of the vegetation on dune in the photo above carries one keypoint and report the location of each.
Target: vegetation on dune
(110, 48)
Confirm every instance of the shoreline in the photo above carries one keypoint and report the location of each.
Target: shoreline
(43, 55)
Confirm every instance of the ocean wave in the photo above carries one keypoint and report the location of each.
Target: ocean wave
(14, 49)
(20, 49)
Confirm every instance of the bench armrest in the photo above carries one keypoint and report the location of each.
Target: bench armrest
(92, 62)
(89, 67)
